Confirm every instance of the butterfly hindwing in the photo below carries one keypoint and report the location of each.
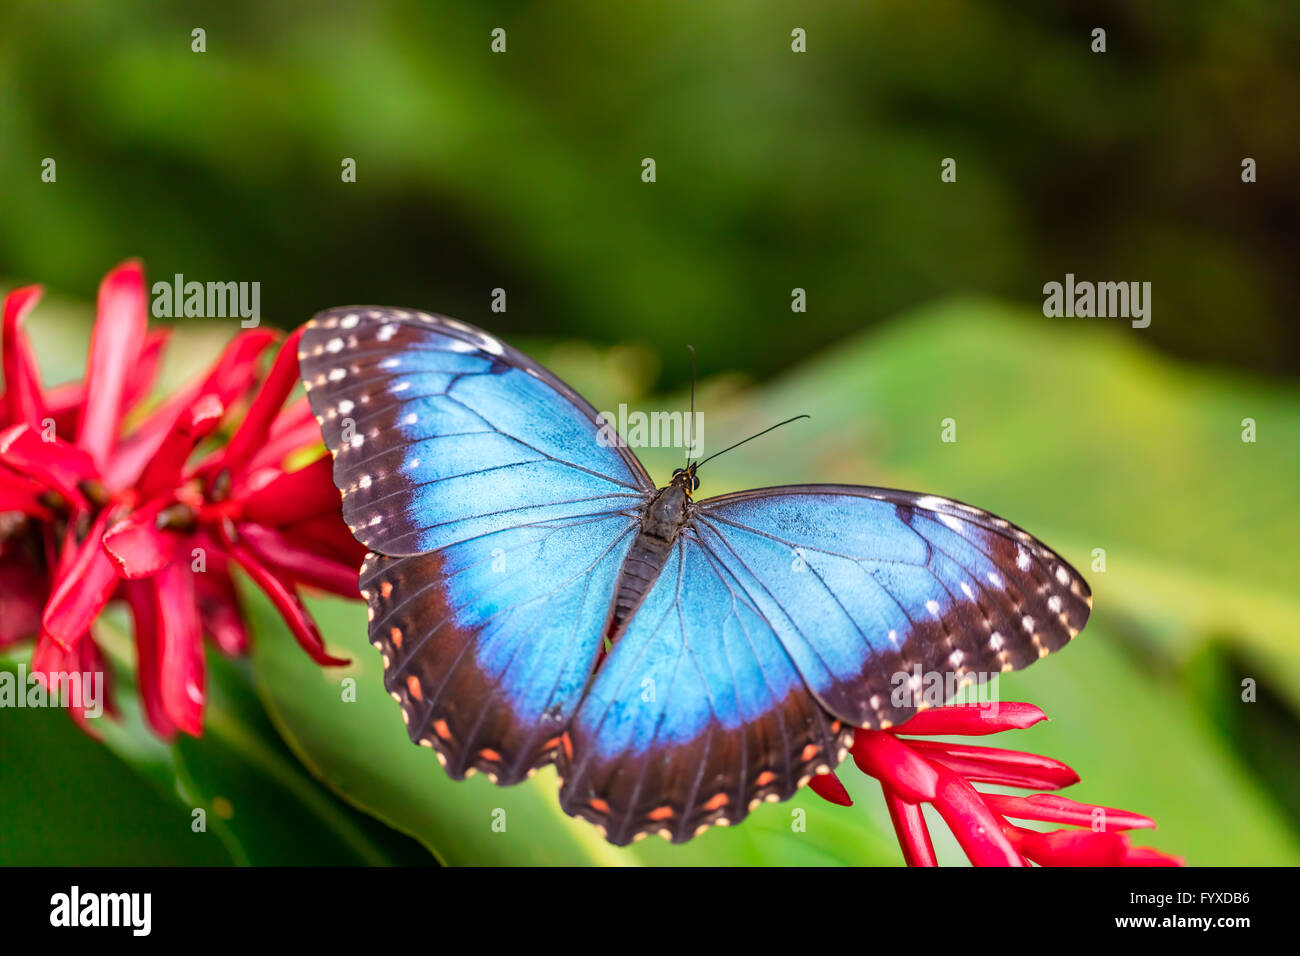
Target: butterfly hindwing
(696, 716)
(489, 643)
(440, 432)
(875, 592)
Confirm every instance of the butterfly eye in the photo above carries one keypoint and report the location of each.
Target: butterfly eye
(695, 483)
(678, 471)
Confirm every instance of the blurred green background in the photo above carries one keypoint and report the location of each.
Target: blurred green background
(775, 170)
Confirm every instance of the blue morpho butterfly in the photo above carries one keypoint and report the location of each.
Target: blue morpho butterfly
(538, 600)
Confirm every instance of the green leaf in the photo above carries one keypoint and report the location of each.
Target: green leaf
(68, 801)
(257, 801)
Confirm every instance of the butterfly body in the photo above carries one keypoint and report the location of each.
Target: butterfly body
(749, 633)
(664, 517)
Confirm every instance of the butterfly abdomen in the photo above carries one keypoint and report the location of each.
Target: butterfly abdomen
(664, 519)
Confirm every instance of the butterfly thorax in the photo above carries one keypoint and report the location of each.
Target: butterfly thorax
(665, 516)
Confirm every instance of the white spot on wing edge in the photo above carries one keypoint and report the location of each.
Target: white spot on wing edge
(933, 503)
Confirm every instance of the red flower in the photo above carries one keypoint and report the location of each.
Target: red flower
(90, 512)
(912, 772)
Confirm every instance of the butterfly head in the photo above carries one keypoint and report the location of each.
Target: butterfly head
(686, 480)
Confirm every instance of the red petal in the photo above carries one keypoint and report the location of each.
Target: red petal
(286, 601)
(55, 465)
(299, 564)
(1012, 768)
(20, 493)
(181, 668)
(973, 720)
(1146, 856)
(146, 369)
(330, 536)
(23, 589)
(913, 835)
(23, 399)
(64, 401)
(1069, 847)
(295, 496)
(1054, 809)
(139, 448)
(114, 352)
(164, 471)
(92, 662)
(976, 827)
(72, 675)
(144, 613)
(237, 368)
(254, 430)
(885, 757)
(828, 787)
(136, 545)
(63, 404)
(294, 431)
(232, 374)
(83, 588)
(219, 605)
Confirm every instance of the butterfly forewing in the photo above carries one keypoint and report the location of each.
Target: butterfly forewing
(440, 432)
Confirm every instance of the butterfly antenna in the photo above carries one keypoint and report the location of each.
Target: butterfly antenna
(690, 418)
(750, 438)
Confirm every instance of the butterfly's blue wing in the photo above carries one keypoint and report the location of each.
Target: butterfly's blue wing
(498, 517)
(440, 432)
(785, 617)
(873, 591)
(697, 715)
(489, 643)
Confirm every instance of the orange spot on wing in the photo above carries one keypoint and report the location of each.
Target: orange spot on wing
(487, 753)
(395, 635)
(567, 744)
(808, 752)
(718, 800)
(413, 687)
(599, 805)
(386, 588)
(441, 729)
(660, 813)
(765, 778)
